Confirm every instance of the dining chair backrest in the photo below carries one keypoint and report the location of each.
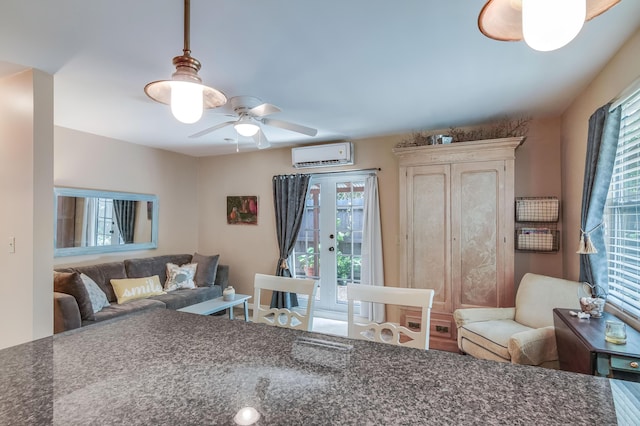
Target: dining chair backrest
(360, 327)
(282, 317)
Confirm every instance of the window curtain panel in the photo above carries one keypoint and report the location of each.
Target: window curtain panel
(125, 211)
(371, 267)
(602, 142)
(289, 195)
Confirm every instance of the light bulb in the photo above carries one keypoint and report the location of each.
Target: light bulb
(550, 24)
(246, 128)
(186, 101)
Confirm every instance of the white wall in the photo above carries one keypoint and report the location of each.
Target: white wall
(83, 160)
(26, 213)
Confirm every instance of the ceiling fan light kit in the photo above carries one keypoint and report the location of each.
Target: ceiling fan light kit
(246, 127)
(544, 25)
(251, 114)
(185, 92)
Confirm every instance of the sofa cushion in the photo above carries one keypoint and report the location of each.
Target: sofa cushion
(66, 315)
(492, 335)
(116, 310)
(71, 283)
(96, 295)
(222, 276)
(136, 288)
(102, 275)
(207, 269)
(539, 294)
(150, 266)
(181, 298)
(180, 277)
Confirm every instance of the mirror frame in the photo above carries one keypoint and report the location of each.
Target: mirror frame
(79, 251)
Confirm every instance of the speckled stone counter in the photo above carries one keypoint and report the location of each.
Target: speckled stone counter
(165, 367)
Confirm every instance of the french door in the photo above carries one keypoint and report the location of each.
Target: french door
(329, 243)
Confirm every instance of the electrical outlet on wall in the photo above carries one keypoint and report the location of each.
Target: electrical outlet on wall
(12, 244)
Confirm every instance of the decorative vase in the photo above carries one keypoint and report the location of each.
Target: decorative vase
(229, 293)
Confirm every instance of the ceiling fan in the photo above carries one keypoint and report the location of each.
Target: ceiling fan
(251, 113)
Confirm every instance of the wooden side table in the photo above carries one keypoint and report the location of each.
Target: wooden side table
(582, 348)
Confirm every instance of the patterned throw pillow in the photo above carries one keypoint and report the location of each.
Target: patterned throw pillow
(136, 288)
(180, 276)
(97, 296)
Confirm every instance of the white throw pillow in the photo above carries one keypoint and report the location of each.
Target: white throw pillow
(96, 295)
(180, 276)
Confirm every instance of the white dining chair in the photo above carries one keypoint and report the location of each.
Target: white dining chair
(282, 317)
(360, 327)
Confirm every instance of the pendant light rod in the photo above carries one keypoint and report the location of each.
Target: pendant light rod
(187, 27)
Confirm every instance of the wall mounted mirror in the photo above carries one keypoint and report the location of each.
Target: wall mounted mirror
(89, 221)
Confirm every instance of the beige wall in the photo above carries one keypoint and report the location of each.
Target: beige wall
(620, 72)
(250, 249)
(538, 175)
(84, 160)
(26, 212)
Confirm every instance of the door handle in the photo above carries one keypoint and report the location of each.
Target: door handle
(331, 249)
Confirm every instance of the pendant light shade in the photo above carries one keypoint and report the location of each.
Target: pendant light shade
(543, 24)
(185, 92)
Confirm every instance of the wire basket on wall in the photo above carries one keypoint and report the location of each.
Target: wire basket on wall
(537, 209)
(536, 224)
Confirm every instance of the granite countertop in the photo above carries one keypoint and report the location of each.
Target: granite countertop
(164, 367)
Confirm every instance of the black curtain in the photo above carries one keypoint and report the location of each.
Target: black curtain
(602, 143)
(125, 218)
(289, 194)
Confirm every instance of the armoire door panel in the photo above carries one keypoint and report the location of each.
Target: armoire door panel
(428, 232)
(477, 230)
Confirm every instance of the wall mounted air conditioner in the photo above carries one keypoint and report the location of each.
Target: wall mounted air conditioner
(332, 154)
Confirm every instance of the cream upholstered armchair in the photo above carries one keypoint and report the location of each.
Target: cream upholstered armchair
(523, 334)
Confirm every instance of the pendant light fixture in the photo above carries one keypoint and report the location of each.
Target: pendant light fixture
(185, 92)
(544, 25)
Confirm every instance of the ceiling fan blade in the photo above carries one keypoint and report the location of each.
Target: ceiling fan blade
(261, 140)
(211, 129)
(290, 126)
(263, 109)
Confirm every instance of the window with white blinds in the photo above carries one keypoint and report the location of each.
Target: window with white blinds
(622, 213)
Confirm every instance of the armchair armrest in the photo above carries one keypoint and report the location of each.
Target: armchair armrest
(466, 316)
(533, 347)
(66, 313)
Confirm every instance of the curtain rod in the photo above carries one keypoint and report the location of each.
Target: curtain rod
(625, 94)
(372, 170)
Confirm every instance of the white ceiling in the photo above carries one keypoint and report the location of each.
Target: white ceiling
(350, 68)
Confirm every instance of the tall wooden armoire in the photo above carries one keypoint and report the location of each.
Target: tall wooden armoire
(457, 227)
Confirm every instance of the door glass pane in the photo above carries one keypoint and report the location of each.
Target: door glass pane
(349, 214)
(336, 226)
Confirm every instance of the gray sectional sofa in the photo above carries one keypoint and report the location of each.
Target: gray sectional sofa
(72, 307)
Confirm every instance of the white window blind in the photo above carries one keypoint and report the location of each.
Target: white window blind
(622, 213)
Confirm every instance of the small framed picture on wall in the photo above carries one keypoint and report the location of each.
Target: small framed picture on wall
(242, 210)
